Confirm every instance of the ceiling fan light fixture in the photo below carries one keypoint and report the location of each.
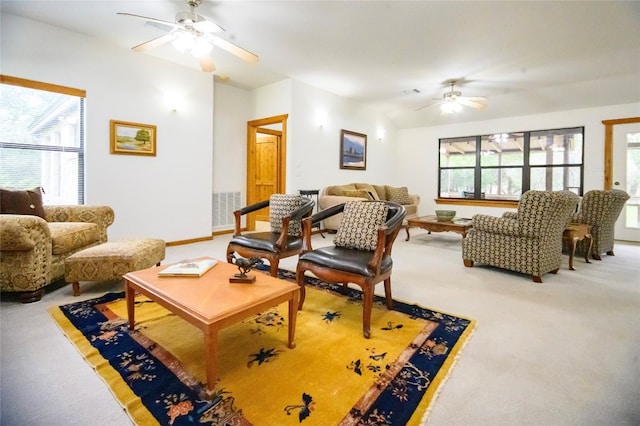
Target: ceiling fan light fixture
(450, 106)
(191, 43)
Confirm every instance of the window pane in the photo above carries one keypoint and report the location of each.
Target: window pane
(454, 181)
(562, 146)
(502, 149)
(502, 184)
(42, 142)
(556, 178)
(459, 152)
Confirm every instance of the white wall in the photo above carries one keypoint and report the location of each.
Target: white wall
(167, 196)
(418, 148)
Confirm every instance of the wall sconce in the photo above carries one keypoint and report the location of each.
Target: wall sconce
(321, 118)
(380, 134)
(173, 100)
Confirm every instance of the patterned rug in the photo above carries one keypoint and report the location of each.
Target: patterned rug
(333, 376)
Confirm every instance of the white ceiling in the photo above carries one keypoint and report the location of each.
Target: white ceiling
(525, 57)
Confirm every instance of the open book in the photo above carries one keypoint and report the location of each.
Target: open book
(188, 268)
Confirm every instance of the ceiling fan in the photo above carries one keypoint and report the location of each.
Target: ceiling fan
(453, 101)
(194, 34)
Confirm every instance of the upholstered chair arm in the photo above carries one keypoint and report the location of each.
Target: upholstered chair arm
(510, 215)
(246, 210)
(103, 216)
(22, 232)
(495, 225)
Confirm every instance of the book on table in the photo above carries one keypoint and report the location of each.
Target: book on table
(188, 268)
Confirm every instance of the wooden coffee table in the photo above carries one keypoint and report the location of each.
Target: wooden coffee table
(430, 223)
(211, 303)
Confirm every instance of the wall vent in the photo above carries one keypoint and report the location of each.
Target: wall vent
(224, 204)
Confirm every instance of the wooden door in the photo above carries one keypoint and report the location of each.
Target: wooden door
(266, 170)
(266, 160)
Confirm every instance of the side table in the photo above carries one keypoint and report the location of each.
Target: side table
(573, 233)
(313, 194)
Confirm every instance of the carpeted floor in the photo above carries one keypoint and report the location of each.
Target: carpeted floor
(560, 353)
(333, 376)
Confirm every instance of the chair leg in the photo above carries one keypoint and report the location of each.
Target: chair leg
(300, 281)
(468, 263)
(536, 278)
(274, 267)
(610, 253)
(596, 256)
(387, 293)
(367, 299)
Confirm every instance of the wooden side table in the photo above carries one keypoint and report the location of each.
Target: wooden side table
(573, 233)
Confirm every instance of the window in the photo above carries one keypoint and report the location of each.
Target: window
(42, 139)
(503, 166)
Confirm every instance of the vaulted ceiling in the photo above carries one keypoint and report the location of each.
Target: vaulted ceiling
(397, 56)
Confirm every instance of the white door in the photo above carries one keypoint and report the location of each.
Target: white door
(626, 176)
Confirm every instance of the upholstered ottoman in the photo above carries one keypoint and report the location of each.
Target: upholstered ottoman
(111, 260)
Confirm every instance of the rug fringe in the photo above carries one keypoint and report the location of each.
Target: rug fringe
(462, 342)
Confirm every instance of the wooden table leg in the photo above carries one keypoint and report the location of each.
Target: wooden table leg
(211, 356)
(131, 299)
(574, 241)
(293, 315)
(588, 250)
(406, 228)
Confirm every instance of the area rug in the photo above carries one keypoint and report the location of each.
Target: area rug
(333, 375)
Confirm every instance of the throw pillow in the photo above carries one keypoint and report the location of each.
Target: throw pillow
(357, 193)
(398, 195)
(368, 188)
(337, 189)
(17, 201)
(281, 205)
(359, 226)
(382, 191)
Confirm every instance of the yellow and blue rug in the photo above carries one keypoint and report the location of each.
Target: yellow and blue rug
(333, 376)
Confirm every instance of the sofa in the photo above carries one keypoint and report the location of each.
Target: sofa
(33, 246)
(337, 194)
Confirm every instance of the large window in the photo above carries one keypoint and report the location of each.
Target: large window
(42, 139)
(503, 166)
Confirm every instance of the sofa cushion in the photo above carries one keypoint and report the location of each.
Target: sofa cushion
(382, 191)
(18, 201)
(337, 189)
(398, 195)
(359, 226)
(68, 236)
(370, 189)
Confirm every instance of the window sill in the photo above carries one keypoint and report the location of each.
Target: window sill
(484, 203)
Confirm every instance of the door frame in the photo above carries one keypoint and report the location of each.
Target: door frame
(253, 128)
(608, 147)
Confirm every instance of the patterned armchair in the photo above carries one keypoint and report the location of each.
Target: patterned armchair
(600, 209)
(33, 248)
(285, 237)
(529, 241)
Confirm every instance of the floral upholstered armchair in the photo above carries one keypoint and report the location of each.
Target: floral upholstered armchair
(529, 241)
(600, 209)
(34, 245)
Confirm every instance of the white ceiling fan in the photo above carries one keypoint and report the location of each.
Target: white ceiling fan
(194, 34)
(453, 101)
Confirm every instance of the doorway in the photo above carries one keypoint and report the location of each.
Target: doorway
(622, 171)
(266, 162)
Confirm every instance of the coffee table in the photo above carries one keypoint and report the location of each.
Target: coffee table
(211, 303)
(459, 225)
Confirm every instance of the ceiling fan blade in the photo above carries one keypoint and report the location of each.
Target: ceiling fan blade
(206, 63)
(207, 26)
(472, 104)
(236, 50)
(158, 41)
(146, 18)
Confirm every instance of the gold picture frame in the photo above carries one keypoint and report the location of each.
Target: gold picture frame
(353, 150)
(133, 138)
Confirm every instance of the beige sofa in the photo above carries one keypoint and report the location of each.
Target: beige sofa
(332, 195)
(33, 249)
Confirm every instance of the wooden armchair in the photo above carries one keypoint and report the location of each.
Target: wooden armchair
(529, 242)
(283, 240)
(362, 251)
(600, 209)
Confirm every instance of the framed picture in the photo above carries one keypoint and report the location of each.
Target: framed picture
(353, 150)
(133, 138)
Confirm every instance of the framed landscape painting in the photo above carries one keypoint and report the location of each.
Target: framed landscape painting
(133, 138)
(353, 150)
